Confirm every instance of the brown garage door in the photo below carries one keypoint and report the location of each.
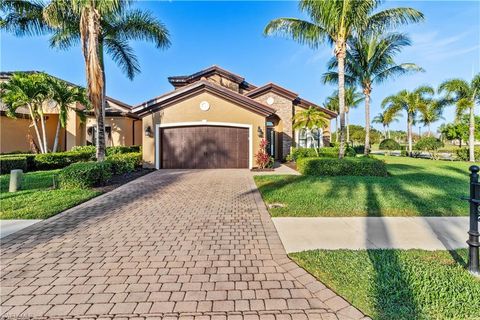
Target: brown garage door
(204, 147)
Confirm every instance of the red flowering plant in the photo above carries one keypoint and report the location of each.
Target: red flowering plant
(262, 158)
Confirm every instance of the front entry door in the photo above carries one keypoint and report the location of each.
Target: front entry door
(204, 147)
(271, 142)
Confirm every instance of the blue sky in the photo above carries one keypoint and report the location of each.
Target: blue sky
(229, 34)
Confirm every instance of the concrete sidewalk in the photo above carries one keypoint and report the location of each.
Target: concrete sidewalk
(11, 226)
(429, 233)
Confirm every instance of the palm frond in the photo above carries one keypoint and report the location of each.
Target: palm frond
(23, 17)
(137, 25)
(392, 18)
(122, 54)
(304, 32)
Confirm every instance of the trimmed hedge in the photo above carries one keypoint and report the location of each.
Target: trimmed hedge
(389, 144)
(331, 152)
(110, 150)
(463, 154)
(10, 163)
(58, 160)
(125, 162)
(85, 174)
(122, 149)
(362, 166)
(21, 161)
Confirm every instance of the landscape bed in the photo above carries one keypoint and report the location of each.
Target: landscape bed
(39, 200)
(398, 284)
(414, 187)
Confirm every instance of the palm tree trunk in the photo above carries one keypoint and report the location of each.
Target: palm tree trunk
(347, 126)
(44, 132)
(409, 133)
(35, 126)
(367, 122)
(336, 129)
(384, 131)
(471, 134)
(340, 51)
(429, 130)
(388, 131)
(57, 134)
(90, 29)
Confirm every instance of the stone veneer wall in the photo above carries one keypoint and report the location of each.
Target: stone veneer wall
(224, 82)
(284, 110)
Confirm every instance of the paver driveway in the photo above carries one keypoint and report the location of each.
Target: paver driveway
(171, 244)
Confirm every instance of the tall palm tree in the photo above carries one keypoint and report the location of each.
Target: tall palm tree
(430, 114)
(28, 90)
(369, 61)
(311, 118)
(66, 97)
(111, 23)
(411, 102)
(465, 96)
(336, 22)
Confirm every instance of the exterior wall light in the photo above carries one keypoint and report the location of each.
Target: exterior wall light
(148, 132)
(260, 132)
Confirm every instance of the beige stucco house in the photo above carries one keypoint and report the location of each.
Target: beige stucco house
(17, 134)
(216, 119)
(211, 119)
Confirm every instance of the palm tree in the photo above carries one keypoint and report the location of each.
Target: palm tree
(65, 97)
(311, 118)
(465, 96)
(430, 114)
(28, 90)
(386, 118)
(104, 25)
(410, 102)
(370, 60)
(336, 22)
(331, 103)
(352, 100)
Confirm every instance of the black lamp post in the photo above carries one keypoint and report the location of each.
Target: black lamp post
(473, 234)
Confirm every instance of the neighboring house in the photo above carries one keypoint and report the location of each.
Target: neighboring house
(17, 134)
(216, 119)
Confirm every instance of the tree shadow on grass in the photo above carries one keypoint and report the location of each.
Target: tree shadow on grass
(394, 297)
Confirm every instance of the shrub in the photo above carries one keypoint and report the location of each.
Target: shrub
(122, 149)
(362, 166)
(91, 149)
(125, 162)
(331, 152)
(430, 145)
(359, 149)
(10, 163)
(58, 160)
(85, 174)
(463, 154)
(389, 144)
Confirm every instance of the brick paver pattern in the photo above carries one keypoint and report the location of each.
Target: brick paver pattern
(189, 244)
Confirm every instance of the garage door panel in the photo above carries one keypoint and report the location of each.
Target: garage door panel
(204, 147)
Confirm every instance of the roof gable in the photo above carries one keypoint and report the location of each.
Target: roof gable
(195, 88)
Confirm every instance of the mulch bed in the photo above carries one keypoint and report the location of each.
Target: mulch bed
(117, 181)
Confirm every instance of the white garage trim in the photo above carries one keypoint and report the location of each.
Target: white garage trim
(202, 123)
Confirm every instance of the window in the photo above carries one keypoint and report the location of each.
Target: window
(92, 135)
(310, 138)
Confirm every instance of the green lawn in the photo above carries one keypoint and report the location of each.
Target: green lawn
(37, 199)
(399, 284)
(415, 187)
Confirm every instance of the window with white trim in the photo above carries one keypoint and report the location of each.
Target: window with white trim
(310, 138)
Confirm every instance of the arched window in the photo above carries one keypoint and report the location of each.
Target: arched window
(310, 138)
